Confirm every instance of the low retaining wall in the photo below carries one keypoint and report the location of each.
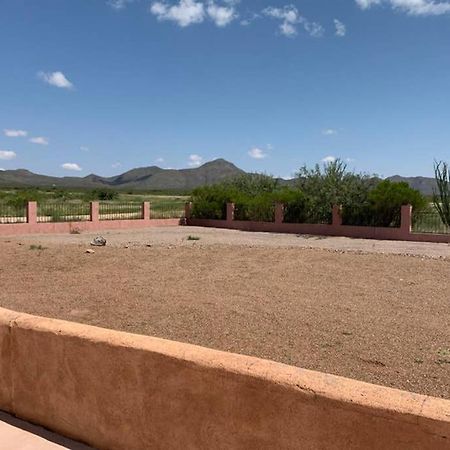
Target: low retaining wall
(73, 227)
(115, 390)
(390, 234)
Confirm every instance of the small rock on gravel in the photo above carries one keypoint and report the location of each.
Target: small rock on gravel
(99, 241)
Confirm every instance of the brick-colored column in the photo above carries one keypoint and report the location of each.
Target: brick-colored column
(406, 219)
(94, 212)
(146, 210)
(187, 210)
(337, 215)
(230, 212)
(31, 212)
(279, 213)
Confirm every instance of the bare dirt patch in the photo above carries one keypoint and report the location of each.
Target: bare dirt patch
(374, 317)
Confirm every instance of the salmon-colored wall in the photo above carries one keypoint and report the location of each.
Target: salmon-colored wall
(94, 224)
(70, 227)
(115, 390)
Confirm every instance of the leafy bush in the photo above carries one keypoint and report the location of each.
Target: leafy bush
(331, 185)
(259, 208)
(387, 199)
(209, 202)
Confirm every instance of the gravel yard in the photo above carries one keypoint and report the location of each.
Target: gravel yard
(357, 308)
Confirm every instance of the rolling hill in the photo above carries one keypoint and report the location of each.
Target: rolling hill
(143, 178)
(156, 178)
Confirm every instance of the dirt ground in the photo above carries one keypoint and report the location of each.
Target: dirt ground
(356, 308)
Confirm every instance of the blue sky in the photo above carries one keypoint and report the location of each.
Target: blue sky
(104, 86)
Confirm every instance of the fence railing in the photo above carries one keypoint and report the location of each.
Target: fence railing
(63, 212)
(120, 210)
(429, 222)
(167, 210)
(12, 213)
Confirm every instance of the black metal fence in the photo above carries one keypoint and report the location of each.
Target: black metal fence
(12, 213)
(173, 209)
(120, 210)
(429, 222)
(63, 211)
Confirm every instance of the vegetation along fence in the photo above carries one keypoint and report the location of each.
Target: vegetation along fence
(63, 211)
(12, 213)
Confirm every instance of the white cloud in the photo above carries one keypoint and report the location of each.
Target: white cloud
(257, 153)
(83, 148)
(2, 169)
(119, 4)
(341, 29)
(412, 7)
(329, 132)
(7, 155)
(290, 18)
(195, 160)
(57, 79)
(185, 13)
(116, 165)
(159, 160)
(40, 140)
(329, 159)
(313, 28)
(221, 15)
(288, 15)
(15, 133)
(71, 166)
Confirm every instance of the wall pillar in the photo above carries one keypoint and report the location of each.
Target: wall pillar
(187, 210)
(94, 212)
(230, 212)
(406, 219)
(146, 210)
(279, 213)
(31, 212)
(337, 215)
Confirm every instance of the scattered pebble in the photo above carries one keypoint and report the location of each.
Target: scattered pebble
(89, 250)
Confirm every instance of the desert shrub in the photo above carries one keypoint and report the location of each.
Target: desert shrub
(441, 195)
(103, 194)
(209, 202)
(297, 207)
(252, 184)
(332, 184)
(259, 208)
(20, 198)
(387, 198)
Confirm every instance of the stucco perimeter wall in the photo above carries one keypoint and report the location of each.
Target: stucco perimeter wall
(397, 234)
(115, 390)
(70, 227)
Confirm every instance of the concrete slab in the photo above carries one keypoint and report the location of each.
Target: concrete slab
(16, 434)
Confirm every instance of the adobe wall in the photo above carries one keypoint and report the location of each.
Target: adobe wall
(115, 390)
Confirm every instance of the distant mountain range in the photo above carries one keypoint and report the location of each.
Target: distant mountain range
(155, 178)
(142, 178)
